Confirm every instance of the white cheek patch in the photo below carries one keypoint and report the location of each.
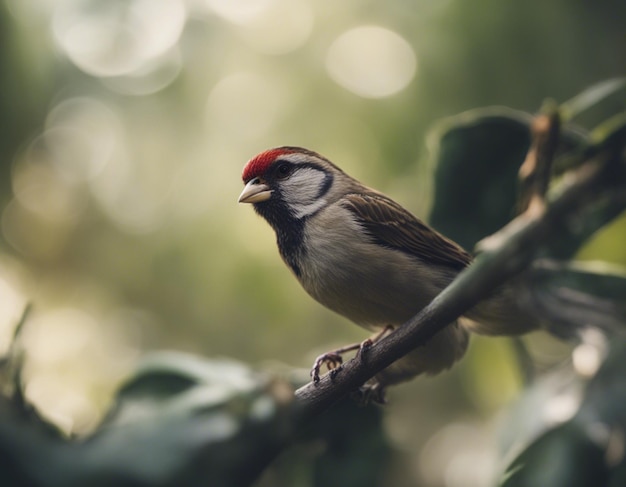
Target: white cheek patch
(304, 210)
(301, 191)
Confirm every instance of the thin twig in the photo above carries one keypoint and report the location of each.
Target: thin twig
(535, 173)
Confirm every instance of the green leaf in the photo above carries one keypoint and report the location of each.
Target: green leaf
(477, 156)
(169, 383)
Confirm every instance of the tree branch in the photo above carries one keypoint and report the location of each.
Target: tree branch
(535, 172)
(504, 255)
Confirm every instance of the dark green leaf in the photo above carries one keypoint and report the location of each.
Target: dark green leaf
(563, 457)
(477, 159)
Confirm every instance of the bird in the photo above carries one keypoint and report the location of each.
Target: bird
(364, 256)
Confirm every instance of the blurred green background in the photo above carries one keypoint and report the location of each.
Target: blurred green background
(124, 128)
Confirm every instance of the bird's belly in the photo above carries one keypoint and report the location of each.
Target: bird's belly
(367, 290)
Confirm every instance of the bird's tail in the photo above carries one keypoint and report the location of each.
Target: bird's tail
(500, 315)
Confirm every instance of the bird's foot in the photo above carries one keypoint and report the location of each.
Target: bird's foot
(332, 360)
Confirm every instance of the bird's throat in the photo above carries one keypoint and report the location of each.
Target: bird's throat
(289, 233)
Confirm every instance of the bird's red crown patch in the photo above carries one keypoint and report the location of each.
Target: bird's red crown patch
(259, 164)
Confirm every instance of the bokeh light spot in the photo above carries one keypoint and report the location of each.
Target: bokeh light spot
(238, 11)
(458, 455)
(150, 78)
(133, 202)
(281, 28)
(372, 62)
(81, 135)
(117, 37)
(39, 188)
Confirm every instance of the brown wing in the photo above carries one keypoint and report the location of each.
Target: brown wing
(391, 225)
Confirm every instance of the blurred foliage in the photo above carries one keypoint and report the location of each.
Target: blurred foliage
(494, 142)
(589, 448)
(125, 127)
(183, 420)
(570, 296)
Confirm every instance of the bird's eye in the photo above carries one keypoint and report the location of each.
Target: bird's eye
(283, 170)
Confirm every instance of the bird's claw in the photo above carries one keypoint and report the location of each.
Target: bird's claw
(364, 347)
(332, 360)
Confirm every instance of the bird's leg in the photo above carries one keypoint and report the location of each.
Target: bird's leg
(334, 359)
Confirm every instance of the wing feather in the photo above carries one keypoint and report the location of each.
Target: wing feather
(391, 225)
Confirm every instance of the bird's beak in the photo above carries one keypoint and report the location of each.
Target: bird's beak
(255, 191)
